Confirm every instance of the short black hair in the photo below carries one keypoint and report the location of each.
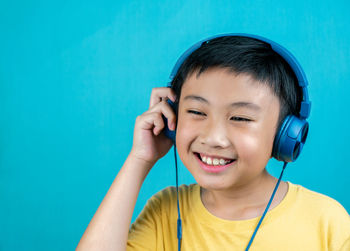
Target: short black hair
(247, 55)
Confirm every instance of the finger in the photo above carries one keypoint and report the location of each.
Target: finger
(158, 124)
(152, 120)
(163, 108)
(160, 93)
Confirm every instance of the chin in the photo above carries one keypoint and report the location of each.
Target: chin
(212, 183)
(213, 187)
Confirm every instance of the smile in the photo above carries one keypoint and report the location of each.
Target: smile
(213, 165)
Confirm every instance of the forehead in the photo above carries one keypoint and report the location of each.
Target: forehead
(218, 86)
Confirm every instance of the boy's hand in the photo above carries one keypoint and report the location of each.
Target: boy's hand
(150, 143)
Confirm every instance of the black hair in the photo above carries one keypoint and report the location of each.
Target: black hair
(246, 55)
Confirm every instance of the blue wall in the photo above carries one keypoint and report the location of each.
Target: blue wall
(74, 76)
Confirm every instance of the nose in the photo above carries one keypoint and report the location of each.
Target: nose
(215, 135)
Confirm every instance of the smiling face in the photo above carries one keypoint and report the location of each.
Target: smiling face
(224, 115)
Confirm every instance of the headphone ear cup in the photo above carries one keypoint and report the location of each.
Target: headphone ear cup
(169, 133)
(290, 139)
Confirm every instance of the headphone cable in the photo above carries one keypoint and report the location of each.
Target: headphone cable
(179, 225)
(267, 208)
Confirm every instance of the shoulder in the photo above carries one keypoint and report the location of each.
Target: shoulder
(167, 197)
(169, 193)
(320, 215)
(323, 210)
(324, 204)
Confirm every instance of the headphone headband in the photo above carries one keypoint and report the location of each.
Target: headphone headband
(283, 52)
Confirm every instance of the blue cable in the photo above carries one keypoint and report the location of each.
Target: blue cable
(179, 225)
(267, 207)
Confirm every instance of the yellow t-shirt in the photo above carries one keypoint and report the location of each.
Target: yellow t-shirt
(304, 220)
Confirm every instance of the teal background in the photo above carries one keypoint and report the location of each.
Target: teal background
(74, 76)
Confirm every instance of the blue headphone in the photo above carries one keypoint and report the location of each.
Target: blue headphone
(291, 136)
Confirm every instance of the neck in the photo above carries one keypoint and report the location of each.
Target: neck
(243, 201)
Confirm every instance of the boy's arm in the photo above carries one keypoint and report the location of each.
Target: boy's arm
(108, 229)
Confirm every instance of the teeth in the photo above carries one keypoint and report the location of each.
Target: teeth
(209, 162)
(214, 161)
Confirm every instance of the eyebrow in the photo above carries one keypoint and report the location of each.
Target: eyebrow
(234, 105)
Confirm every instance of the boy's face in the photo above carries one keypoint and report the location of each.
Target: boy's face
(219, 131)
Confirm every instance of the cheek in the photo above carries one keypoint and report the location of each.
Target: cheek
(184, 134)
(247, 146)
(252, 147)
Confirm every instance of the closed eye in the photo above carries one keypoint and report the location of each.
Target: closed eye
(239, 119)
(195, 112)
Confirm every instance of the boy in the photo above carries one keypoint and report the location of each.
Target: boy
(232, 95)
